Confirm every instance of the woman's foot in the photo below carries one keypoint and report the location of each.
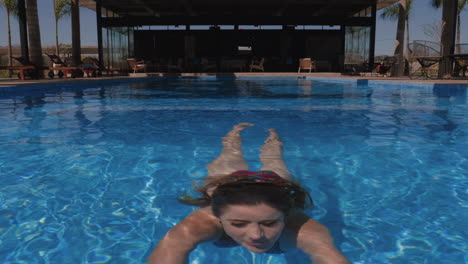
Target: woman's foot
(242, 126)
(273, 138)
(237, 129)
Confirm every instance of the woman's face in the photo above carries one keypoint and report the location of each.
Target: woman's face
(255, 227)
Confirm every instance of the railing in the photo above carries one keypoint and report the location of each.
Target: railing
(461, 48)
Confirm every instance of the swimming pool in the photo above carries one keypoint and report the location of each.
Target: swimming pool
(90, 172)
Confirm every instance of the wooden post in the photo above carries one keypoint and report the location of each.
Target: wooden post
(75, 27)
(23, 28)
(372, 36)
(99, 31)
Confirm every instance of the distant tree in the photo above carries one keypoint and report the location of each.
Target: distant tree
(462, 4)
(61, 9)
(10, 7)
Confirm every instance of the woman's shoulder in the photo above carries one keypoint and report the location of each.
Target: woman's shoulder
(312, 238)
(201, 225)
(297, 219)
(299, 227)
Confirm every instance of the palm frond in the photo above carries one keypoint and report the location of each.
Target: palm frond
(461, 4)
(409, 4)
(436, 3)
(391, 12)
(62, 8)
(9, 5)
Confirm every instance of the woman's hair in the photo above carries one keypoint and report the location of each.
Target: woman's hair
(280, 194)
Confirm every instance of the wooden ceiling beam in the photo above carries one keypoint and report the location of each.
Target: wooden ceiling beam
(151, 11)
(188, 7)
(282, 9)
(235, 20)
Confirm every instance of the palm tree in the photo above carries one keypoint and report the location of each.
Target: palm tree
(400, 11)
(461, 5)
(61, 9)
(75, 23)
(34, 33)
(10, 7)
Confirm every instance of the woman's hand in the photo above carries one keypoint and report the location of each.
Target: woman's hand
(176, 245)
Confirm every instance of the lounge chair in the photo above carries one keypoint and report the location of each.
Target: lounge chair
(461, 60)
(257, 65)
(384, 67)
(306, 64)
(355, 64)
(27, 69)
(100, 67)
(427, 54)
(207, 65)
(137, 65)
(64, 69)
(179, 66)
(229, 64)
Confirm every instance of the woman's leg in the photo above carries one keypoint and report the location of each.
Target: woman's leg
(231, 158)
(271, 155)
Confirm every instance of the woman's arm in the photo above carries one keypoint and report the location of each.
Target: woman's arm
(176, 245)
(315, 240)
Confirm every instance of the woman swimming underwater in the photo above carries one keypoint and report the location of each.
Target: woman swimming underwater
(259, 210)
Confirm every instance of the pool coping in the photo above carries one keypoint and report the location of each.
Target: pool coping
(322, 77)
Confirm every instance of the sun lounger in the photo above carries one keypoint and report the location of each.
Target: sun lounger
(178, 66)
(257, 65)
(100, 67)
(23, 71)
(64, 69)
(207, 65)
(26, 69)
(231, 64)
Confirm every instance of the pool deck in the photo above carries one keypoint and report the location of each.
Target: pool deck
(7, 82)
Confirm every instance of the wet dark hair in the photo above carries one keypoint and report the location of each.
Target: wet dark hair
(282, 195)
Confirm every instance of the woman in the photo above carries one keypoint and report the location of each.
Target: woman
(260, 210)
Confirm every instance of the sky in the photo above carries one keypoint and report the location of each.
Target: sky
(422, 14)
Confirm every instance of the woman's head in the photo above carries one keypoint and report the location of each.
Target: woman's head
(255, 227)
(246, 193)
(260, 188)
(242, 189)
(252, 208)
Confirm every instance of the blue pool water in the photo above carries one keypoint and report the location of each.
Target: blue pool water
(90, 172)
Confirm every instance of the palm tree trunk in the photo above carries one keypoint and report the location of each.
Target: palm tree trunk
(458, 50)
(10, 52)
(449, 14)
(407, 53)
(57, 50)
(399, 67)
(34, 33)
(76, 40)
